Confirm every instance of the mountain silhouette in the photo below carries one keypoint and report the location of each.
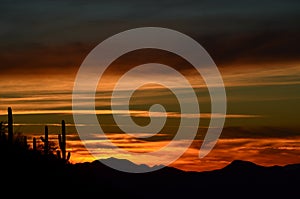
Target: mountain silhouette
(169, 182)
(28, 171)
(124, 164)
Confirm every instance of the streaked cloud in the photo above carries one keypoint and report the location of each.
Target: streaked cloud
(266, 152)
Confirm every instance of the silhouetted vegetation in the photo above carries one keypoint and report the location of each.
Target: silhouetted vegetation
(21, 164)
(45, 141)
(62, 154)
(40, 168)
(9, 140)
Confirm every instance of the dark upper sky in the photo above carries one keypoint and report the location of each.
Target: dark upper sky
(61, 33)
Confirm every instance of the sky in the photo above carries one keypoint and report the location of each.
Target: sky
(254, 44)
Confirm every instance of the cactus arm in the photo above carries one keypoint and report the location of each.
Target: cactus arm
(59, 141)
(68, 156)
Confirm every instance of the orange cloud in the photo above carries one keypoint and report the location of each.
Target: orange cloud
(262, 151)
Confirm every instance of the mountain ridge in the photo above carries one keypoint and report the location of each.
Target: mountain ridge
(169, 182)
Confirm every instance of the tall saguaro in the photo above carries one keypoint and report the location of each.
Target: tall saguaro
(62, 143)
(63, 139)
(10, 125)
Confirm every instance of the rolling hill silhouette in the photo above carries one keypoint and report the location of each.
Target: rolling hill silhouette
(168, 182)
(128, 165)
(26, 170)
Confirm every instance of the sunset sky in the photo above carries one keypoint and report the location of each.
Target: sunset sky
(255, 45)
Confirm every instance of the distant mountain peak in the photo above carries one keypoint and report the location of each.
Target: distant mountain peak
(127, 165)
(242, 165)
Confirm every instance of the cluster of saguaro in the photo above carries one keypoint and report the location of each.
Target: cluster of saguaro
(62, 153)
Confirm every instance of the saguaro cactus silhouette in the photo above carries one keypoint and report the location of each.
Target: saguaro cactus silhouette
(10, 125)
(46, 142)
(62, 154)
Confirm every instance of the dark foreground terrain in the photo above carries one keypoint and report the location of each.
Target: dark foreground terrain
(30, 174)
